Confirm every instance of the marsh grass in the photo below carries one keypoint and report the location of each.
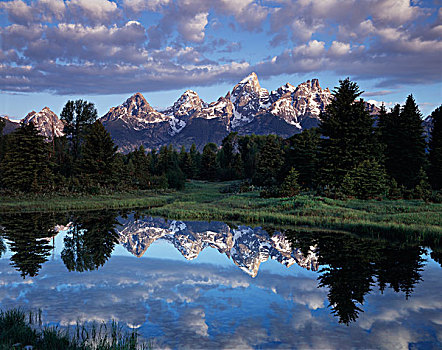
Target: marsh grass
(19, 329)
(206, 201)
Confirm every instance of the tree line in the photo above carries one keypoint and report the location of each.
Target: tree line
(350, 154)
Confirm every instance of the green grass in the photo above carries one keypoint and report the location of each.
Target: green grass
(203, 201)
(19, 329)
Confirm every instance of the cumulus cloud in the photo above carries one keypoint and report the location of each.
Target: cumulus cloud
(193, 28)
(97, 11)
(397, 40)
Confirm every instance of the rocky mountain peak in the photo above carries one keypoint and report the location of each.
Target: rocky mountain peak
(249, 99)
(47, 122)
(137, 104)
(187, 104)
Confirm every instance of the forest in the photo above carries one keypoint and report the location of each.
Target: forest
(352, 154)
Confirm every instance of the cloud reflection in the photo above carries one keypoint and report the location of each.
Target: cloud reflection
(183, 305)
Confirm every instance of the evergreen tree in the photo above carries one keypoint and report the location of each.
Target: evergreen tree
(229, 159)
(435, 149)
(195, 161)
(140, 168)
(348, 135)
(269, 162)
(367, 180)
(26, 165)
(99, 154)
(77, 116)
(303, 155)
(290, 187)
(404, 144)
(209, 165)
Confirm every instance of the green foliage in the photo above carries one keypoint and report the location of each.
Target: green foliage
(303, 155)
(269, 162)
(290, 187)
(209, 164)
(435, 149)
(423, 188)
(77, 116)
(349, 135)
(26, 166)
(98, 156)
(367, 180)
(404, 143)
(17, 331)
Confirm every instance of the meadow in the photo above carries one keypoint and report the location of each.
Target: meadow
(207, 201)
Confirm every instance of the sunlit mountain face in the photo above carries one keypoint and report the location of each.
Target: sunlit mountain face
(211, 284)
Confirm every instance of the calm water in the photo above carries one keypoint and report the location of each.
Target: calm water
(191, 284)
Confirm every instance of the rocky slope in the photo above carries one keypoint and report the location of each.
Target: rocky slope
(10, 125)
(247, 247)
(247, 108)
(47, 122)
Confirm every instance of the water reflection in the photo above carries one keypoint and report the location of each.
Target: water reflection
(348, 267)
(90, 240)
(29, 237)
(353, 266)
(247, 247)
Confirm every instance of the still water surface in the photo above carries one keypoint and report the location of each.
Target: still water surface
(188, 284)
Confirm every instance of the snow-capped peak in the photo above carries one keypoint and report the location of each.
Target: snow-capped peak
(47, 122)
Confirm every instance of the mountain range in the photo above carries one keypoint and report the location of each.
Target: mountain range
(247, 109)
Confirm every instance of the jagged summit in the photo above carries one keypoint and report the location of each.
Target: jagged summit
(47, 122)
(248, 108)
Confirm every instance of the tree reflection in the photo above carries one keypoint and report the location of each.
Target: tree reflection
(29, 240)
(353, 266)
(90, 241)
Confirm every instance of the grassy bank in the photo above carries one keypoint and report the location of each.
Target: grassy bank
(203, 201)
(137, 199)
(20, 330)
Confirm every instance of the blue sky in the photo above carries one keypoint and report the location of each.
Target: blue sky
(104, 51)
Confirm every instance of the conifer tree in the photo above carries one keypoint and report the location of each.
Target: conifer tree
(209, 165)
(77, 116)
(290, 187)
(269, 162)
(405, 144)
(98, 155)
(348, 134)
(435, 149)
(367, 180)
(26, 166)
(303, 155)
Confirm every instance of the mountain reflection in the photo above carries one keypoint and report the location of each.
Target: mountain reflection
(349, 267)
(247, 247)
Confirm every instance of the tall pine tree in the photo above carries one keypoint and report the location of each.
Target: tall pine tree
(99, 154)
(435, 149)
(26, 166)
(404, 140)
(348, 135)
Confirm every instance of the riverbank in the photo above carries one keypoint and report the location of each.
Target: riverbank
(20, 330)
(204, 201)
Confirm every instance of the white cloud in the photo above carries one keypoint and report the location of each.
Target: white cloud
(193, 29)
(98, 11)
(338, 48)
(314, 48)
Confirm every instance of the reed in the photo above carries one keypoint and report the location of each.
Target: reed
(19, 329)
